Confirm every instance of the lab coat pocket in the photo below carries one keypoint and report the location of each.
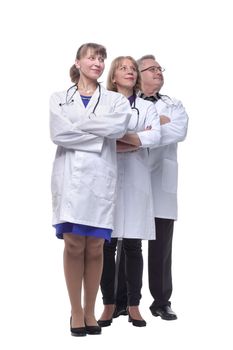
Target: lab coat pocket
(97, 178)
(104, 184)
(170, 176)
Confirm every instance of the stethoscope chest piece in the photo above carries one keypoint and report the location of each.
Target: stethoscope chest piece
(92, 115)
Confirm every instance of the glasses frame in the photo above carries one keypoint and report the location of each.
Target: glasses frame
(155, 69)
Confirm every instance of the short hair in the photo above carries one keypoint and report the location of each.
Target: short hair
(114, 65)
(97, 49)
(145, 57)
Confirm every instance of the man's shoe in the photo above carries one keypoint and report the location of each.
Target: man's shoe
(165, 312)
(120, 311)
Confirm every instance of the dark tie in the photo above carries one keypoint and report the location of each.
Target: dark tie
(150, 98)
(153, 98)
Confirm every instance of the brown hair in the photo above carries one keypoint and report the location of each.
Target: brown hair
(97, 49)
(114, 65)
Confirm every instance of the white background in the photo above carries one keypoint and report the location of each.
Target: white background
(193, 41)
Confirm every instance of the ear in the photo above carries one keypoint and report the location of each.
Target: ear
(77, 64)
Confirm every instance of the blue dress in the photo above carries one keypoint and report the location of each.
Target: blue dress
(82, 230)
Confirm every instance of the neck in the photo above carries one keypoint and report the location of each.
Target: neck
(148, 91)
(125, 91)
(86, 86)
(152, 88)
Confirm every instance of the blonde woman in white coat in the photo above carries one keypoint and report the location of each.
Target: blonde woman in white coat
(134, 206)
(85, 122)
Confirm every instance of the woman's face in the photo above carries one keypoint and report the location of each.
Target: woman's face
(125, 75)
(91, 65)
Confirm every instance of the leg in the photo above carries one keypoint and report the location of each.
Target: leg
(74, 268)
(93, 265)
(120, 281)
(159, 263)
(108, 274)
(108, 281)
(133, 271)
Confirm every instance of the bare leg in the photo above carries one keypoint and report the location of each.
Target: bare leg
(74, 270)
(92, 275)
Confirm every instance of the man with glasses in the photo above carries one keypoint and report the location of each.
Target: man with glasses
(164, 172)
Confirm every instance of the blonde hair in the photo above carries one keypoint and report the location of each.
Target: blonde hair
(114, 65)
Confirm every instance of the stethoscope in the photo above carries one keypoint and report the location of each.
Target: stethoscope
(133, 107)
(70, 99)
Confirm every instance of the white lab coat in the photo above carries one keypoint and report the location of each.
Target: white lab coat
(85, 168)
(163, 160)
(134, 208)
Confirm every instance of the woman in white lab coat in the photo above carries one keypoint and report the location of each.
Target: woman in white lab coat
(85, 122)
(134, 208)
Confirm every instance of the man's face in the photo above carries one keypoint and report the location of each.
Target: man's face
(151, 74)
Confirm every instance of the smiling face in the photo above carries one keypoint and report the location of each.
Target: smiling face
(125, 76)
(90, 65)
(151, 75)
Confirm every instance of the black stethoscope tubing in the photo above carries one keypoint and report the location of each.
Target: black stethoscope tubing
(133, 107)
(70, 99)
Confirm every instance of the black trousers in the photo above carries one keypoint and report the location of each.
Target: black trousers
(114, 281)
(160, 263)
(159, 267)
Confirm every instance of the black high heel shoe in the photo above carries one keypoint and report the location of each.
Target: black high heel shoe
(93, 329)
(136, 323)
(77, 331)
(120, 311)
(104, 323)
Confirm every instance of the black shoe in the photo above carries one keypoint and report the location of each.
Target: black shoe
(104, 323)
(93, 329)
(136, 323)
(77, 331)
(120, 311)
(165, 312)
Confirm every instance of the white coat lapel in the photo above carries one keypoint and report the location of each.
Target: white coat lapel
(91, 105)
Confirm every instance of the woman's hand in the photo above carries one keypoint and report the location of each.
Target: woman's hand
(125, 147)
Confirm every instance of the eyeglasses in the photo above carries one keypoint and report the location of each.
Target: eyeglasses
(153, 69)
